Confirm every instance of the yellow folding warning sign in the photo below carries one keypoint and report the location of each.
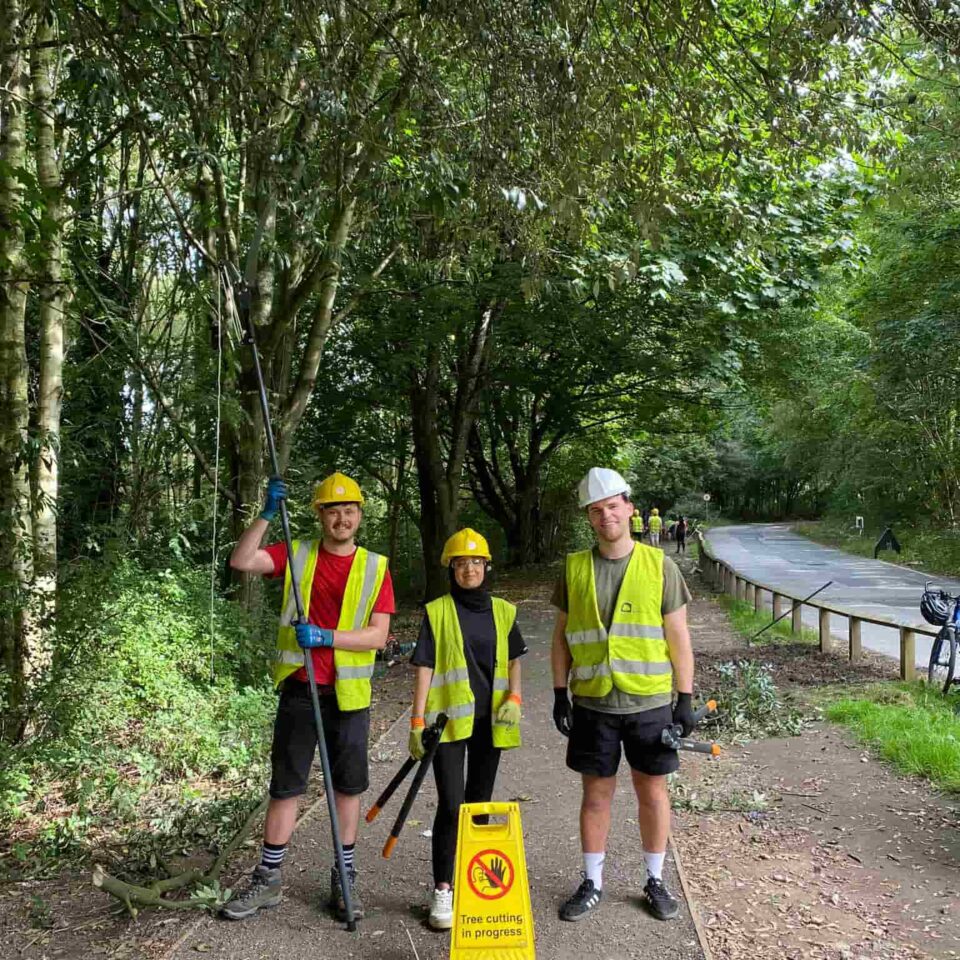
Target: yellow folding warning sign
(492, 917)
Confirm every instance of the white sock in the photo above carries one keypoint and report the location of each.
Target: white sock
(593, 868)
(654, 862)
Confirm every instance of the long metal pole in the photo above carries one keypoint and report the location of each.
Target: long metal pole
(785, 613)
(251, 338)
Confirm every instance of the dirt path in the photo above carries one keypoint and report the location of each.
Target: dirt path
(844, 859)
(395, 891)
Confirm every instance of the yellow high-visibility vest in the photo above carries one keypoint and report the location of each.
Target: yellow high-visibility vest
(354, 668)
(634, 655)
(636, 524)
(655, 524)
(450, 691)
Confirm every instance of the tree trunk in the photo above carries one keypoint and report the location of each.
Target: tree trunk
(438, 504)
(396, 501)
(15, 514)
(53, 302)
(525, 537)
(440, 476)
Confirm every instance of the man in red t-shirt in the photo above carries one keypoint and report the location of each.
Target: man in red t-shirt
(338, 502)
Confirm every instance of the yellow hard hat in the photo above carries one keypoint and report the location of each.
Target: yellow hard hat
(337, 488)
(465, 543)
(655, 512)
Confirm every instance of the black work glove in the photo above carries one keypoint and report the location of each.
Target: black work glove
(683, 713)
(562, 711)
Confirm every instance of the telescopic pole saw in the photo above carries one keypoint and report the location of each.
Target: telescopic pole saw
(250, 337)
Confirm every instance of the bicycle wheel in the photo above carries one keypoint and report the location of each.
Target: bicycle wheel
(943, 659)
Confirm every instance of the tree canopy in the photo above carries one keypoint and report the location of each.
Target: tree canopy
(483, 246)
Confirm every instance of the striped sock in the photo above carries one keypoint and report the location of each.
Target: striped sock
(348, 852)
(272, 854)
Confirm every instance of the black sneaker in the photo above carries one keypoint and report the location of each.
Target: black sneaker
(659, 901)
(582, 902)
(262, 889)
(336, 895)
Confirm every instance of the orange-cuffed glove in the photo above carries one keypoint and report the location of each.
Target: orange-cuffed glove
(415, 743)
(509, 712)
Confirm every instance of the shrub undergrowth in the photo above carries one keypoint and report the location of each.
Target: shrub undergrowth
(150, 733)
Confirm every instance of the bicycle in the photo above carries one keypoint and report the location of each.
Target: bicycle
(942, 610)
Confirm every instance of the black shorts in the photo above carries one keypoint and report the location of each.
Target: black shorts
(594, 744)
(295, 742)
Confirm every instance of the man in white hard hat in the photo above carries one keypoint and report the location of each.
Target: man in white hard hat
(621, 640)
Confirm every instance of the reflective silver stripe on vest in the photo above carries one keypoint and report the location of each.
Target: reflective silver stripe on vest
(293, 657)
(501, 683)
(636, 630)
(453, 713)
(641, 666)
(585, 636)
(366, 591)
(363, 672)
(296, 573)
(451, 676)
(589, 672)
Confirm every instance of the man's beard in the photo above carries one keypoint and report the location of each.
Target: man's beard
(341, 534)
(611, 533)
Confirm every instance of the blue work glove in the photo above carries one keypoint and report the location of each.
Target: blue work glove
(276, 491)
(309, 636)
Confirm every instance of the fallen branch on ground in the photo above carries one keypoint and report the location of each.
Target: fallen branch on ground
(134, 896)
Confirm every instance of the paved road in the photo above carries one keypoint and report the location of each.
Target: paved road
(394, 890)
(771, 553)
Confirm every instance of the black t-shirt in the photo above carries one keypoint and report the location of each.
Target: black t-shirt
(479, 646)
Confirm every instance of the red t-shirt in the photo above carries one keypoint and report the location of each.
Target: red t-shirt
(326, 598)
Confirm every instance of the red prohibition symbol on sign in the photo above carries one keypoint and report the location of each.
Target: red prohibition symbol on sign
(490, 874)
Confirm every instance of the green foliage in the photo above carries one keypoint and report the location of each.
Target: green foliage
(911, 725)
(749, 706)
(850, 402)
(145, 720)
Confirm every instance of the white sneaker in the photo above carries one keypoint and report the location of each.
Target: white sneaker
(441, 909)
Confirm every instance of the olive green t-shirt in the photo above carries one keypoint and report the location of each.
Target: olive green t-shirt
(608, 575)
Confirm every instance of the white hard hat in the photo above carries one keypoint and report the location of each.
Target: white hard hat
(599, 484)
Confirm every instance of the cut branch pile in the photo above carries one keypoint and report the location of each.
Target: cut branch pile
(134, 896)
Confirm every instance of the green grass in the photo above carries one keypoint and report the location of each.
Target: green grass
(747, 623)
(911, 725)
(927, 548)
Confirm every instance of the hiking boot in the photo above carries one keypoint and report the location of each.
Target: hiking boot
(261, 889)
(582, 902)
(336, 895)
(659, 901)
(441, 909)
